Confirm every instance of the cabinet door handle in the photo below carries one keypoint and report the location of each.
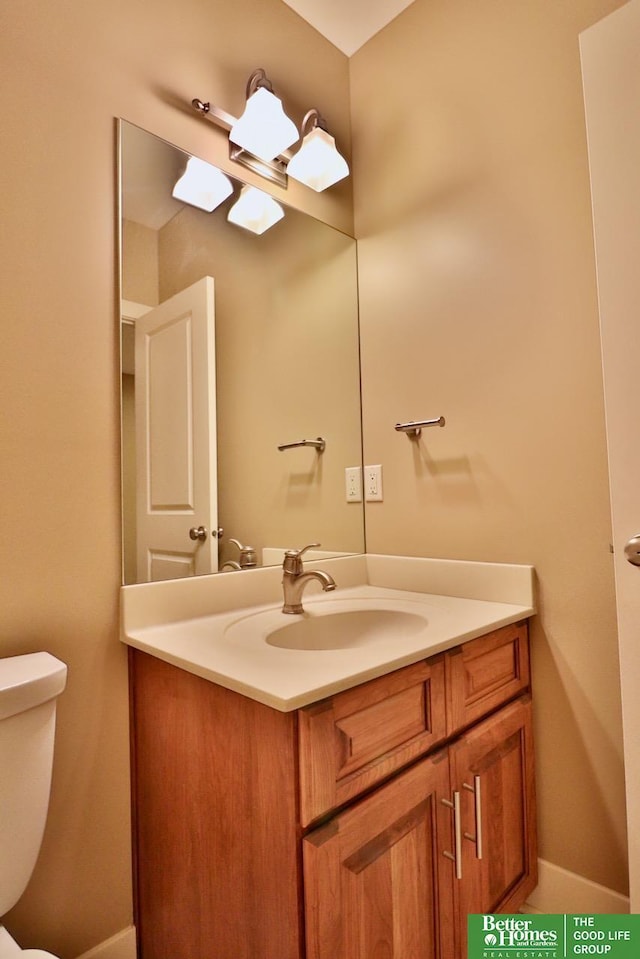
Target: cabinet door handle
(455, 857)
(476, 789)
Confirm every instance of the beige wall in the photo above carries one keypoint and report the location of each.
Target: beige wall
(287, 358)
(478, 302)
(67, 70)
(140, 265)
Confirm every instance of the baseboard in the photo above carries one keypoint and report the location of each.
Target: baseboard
(558, 891)
(564, 892)
(120, 946)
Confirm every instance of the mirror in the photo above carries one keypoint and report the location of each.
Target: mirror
(233, 345)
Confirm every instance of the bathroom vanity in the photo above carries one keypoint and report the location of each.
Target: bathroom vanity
(374, 812)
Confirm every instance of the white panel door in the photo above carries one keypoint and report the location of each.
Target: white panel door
(176, 471)
(611, 75)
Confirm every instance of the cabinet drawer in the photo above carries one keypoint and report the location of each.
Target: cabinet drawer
(485, 673)
(353, 740)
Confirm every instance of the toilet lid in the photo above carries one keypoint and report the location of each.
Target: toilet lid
(8, 946)
(9, 949)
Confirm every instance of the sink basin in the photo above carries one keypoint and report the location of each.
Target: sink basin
(345, 630)
(333, 624)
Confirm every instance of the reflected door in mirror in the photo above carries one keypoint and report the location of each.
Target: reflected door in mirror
(176, 488)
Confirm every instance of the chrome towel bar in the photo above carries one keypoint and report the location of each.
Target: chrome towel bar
(319, 444)
(414, 428)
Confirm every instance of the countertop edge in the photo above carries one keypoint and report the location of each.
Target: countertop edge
(308, 697)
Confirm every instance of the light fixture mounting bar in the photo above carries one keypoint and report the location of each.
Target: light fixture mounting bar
(220, 117)
(273, 170)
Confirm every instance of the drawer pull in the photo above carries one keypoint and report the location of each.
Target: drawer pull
(456, 857)
(477, 795)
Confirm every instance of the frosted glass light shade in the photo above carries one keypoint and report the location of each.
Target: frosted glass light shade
(202, 185)
(264, 129)
(317, 163)
(254, 210)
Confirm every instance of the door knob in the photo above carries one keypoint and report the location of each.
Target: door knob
(198, 532)
(632, 550)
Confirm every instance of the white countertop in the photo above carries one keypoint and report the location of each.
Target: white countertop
(227, 644)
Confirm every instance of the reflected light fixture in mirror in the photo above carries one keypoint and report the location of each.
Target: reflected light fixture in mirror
(260, 138)
(264, 129)
(202, 185)
(255, 210)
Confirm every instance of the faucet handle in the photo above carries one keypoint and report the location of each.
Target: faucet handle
(298, 552)
(293, 558)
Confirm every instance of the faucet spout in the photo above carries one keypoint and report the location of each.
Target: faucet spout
(294, 581)
(294, 588)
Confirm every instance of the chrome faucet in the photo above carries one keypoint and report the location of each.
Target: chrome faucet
(246, 559)
(294, 579)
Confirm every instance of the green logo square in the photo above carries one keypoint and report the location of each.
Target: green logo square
(553, 936)
(516, 937)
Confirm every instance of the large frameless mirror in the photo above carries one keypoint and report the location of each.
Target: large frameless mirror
(234, 345)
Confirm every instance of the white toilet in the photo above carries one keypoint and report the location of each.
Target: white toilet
(29, 686)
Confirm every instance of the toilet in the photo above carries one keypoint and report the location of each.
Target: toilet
(29, 686)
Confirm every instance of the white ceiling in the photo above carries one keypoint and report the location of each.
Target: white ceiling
(348, 24)
(151, 167)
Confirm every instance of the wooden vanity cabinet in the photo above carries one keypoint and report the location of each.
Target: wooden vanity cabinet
(215, 813)
(328, 833)
(387, 871)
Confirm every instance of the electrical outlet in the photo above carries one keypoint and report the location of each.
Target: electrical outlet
(373, 484)
(353, 484)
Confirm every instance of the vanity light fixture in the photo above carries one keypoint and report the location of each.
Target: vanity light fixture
(264, 129)
(260, 139)
(255, 210)
(202, 185)
(317, 163)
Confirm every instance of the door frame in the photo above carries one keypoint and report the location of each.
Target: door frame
(611, 83)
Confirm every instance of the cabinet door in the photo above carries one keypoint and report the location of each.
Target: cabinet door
(376, 880)
(492, 767)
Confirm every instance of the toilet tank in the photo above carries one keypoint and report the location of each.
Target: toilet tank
(29, 686)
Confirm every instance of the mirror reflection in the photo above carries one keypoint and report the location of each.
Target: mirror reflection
(234, 345)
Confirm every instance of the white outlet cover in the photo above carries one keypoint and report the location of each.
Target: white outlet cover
(353, 484)
(373, 483)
